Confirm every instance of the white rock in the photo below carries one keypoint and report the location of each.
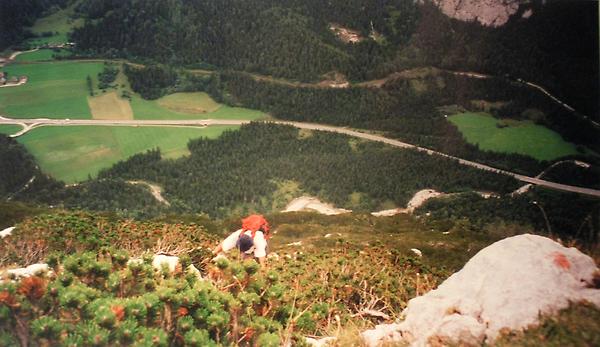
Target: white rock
(382, 332)
(319, 342)
(298, 243)
(31, 270)
(507, 284)
(415, 202)
(328, 236)
(492, 13)
(524, 189)
(161, 259)
(6, 232)
(135, 261)
(193, 270)
(219, 256)
(388, 213)
(417, 252)
(420, 198)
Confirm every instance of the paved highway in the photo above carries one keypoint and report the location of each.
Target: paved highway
(29, 124)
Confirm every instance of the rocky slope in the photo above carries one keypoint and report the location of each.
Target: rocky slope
(492, 13)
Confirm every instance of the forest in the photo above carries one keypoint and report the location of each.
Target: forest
(154, 81)
(16, 15)
(242, 168)
(291, 39)
(564, 215)
(244, 171)
(24, 181)
(410, 109)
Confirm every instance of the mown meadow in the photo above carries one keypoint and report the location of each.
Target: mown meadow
(71, 154)
(53, 90)
(9, 129)
(512, 136)
(59, 89)
(53, 29)
(41, 55)
(198, 105)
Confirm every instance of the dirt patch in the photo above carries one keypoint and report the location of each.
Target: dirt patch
(418, 199)
(311, 203)
(345, 34)
(156, 191)
(334, 80)
(411, 74)
(488, 106)
(110, 106)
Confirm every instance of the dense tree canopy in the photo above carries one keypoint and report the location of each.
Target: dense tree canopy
(15, 15)
(242, 168)
(557, 46)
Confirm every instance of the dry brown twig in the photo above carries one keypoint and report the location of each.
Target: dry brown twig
(29, 252)
(369, 303)
(172, 244)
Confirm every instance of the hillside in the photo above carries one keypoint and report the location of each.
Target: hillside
(360, 176)
(302, 47)
(362, 272)
(429, 170)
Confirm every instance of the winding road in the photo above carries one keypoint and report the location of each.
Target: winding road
(29, 124)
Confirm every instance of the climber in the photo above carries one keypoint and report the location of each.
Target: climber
(251, 239)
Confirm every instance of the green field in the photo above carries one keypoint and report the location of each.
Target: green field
(72, 153)
(54, 90)
(40, 55)
(59, 90)
(152, 109)
(9, 129)
(193, 103)
(521, 137)
(58, 23)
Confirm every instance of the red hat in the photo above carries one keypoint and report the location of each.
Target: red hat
(255, 222)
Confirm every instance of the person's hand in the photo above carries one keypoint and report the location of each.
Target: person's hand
(217, 250)
(263, 262)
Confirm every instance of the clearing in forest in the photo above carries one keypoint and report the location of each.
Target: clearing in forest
(110, 106)
(153, 109)
(59, 24)
(512, 136)
(194, 103)
(40, 55)
(72, 153)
